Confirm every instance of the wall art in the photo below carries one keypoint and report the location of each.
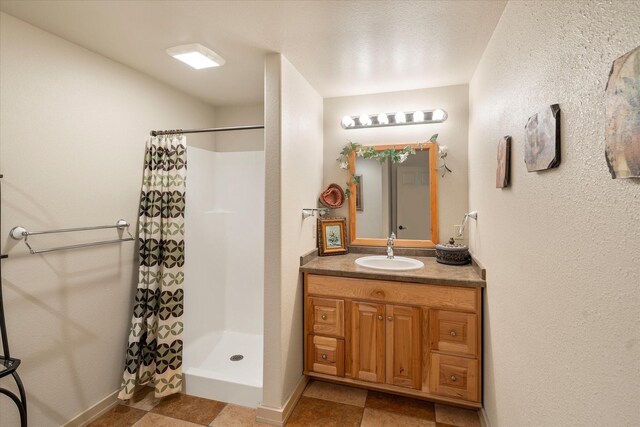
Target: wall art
(542, 140)
(503, 171)
(622, 116)
(332, 237)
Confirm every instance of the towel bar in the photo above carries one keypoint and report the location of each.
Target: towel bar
(19, 233)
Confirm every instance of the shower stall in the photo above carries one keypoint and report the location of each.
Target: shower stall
(224, 276)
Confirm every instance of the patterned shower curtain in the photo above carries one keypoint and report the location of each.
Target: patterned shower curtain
(154, 354)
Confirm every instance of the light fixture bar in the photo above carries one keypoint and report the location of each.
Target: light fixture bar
(419, 117)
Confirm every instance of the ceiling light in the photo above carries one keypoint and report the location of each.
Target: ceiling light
(365, 120)
(418, 116)
(383, 119)
(196, 56)
(347, 121)
(400, 117)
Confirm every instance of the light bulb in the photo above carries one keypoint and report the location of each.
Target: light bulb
(383, 119)
(400, 117)
(437, 115)
(365, 120)
(347, 121)
(418, 116)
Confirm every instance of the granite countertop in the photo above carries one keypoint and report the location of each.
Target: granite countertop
(432, 273)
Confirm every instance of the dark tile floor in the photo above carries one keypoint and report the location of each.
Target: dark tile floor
(322, 404)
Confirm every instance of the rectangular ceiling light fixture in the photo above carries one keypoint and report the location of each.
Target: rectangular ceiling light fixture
(419, 117)
(196, 56)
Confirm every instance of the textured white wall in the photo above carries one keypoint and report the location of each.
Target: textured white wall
(240, 115)
(561, 247)
(293, 152)
(272, 378)
(72, 143)
(454, 133)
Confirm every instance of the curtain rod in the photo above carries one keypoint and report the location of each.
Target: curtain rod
(183, 131)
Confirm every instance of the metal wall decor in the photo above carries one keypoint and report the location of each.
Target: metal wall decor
(622, 116)
(503, 171)
(542, 140)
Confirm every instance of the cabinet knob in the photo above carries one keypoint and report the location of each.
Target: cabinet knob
(452, 333)
(324, 317)
(389, 318)
(379, 316)
(324, 357)
(453, 378)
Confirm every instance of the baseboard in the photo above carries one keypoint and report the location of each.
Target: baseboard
(484, 420)
(91, 414)
(279, 416)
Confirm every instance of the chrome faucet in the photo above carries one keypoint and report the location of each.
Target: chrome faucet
(390, 241)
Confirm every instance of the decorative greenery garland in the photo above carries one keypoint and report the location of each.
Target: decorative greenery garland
(370, 152)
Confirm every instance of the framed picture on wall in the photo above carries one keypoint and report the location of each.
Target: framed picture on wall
(332, 238)
(359, 196)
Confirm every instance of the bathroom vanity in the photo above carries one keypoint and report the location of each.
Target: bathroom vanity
(416, 333)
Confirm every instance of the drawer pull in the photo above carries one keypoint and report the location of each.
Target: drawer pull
(452, 333)
(324, 317)
(389, 318)
(379, 316)
(324, 357)
(453, 378)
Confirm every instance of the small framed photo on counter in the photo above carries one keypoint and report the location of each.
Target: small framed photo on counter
(332, 237)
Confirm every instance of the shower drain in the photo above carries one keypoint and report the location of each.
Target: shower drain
(236, 357)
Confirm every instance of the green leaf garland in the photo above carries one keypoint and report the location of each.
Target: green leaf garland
(369, 152)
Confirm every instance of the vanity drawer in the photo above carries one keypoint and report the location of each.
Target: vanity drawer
(453, 376)
(326, 316)
(325, 355)
(454, 332)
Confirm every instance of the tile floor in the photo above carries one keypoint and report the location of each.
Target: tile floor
(322, 404)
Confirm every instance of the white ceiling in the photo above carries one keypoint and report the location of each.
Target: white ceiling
(341, 47)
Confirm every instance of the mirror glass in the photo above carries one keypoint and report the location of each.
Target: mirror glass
(394, 197)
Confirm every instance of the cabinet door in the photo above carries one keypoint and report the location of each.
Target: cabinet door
(404, 346)
(367, 341)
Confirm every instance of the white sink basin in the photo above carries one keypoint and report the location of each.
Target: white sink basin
(381, 262)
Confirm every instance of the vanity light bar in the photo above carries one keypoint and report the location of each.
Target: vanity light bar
(419, 117)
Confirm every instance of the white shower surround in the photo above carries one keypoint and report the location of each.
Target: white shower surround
(224, 280)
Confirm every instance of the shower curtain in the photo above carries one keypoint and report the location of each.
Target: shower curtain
(154, 354)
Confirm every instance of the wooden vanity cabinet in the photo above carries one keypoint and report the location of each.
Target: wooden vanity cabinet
(408, 338)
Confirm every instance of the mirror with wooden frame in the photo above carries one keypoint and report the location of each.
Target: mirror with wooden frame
(395, 197)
